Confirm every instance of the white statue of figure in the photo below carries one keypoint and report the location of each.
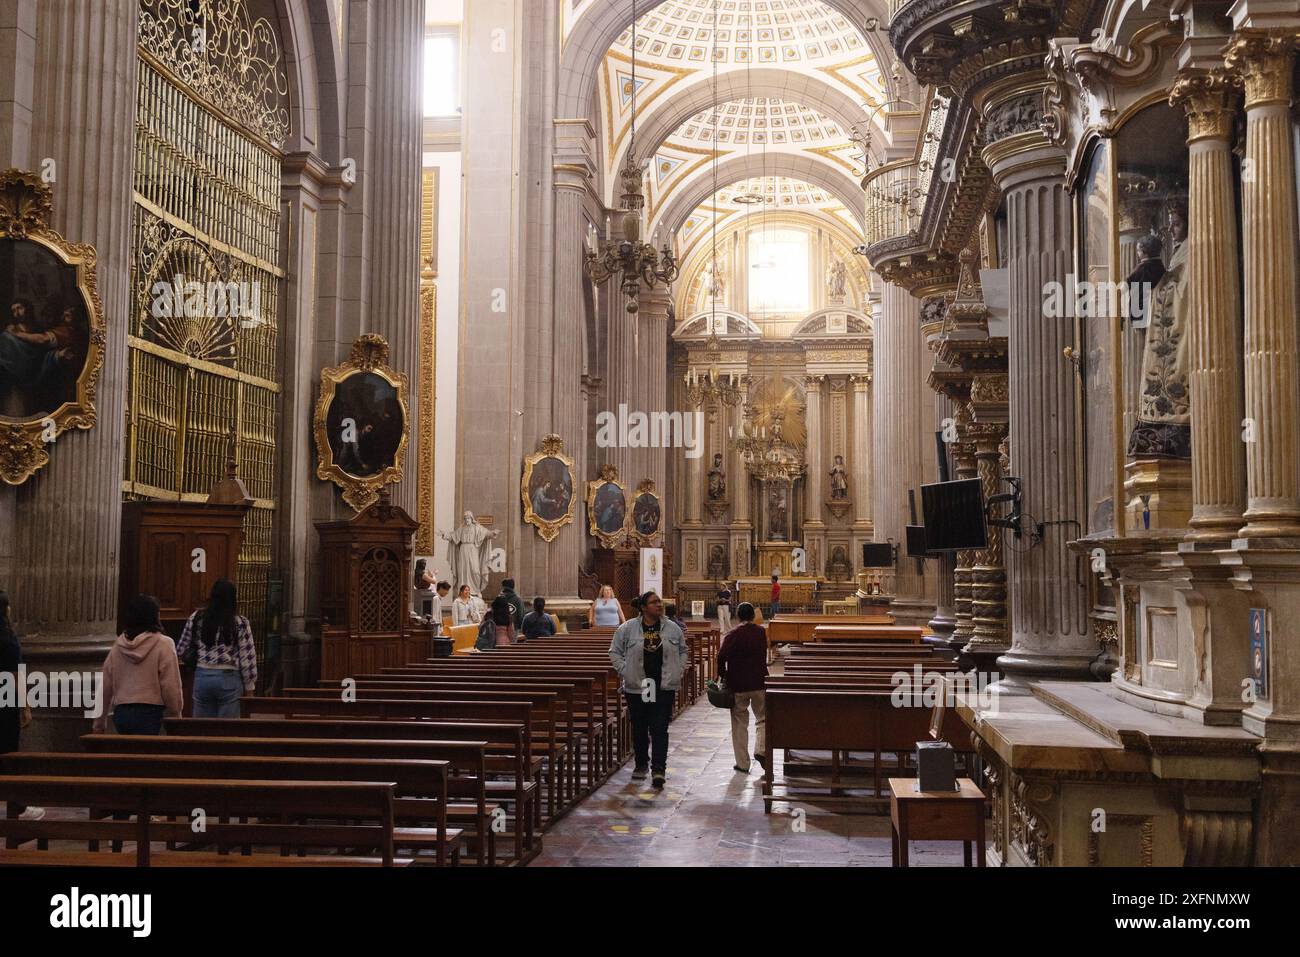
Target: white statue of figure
(837, 278)
(469, 551)
(715, 287)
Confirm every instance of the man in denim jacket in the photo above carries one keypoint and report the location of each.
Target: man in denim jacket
(650, 652)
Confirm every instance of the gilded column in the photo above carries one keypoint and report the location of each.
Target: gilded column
(1051, 631)
(988, 576)
(738, 485)
(1272, 363)
(964, 468)
(944, 622)
(695, 471)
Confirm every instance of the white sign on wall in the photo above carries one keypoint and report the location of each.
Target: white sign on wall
(652, 570)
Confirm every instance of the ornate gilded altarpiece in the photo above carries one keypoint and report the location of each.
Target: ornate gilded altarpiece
(212, 116)
(607, 511)
(52, 329)
(427, 403)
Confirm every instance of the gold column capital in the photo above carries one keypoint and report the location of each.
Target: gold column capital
(1263, 60)
(1210, 99)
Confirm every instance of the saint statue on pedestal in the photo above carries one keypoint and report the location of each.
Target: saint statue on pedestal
(837, 277)
(717, 480)
(469, 550)
(839, 481)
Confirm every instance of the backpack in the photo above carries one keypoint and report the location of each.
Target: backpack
(487, 634)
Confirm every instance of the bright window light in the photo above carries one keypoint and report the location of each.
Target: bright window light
(441, 73)
(778, 274)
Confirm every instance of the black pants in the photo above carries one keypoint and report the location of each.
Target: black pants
(650, 728)
(138, 718)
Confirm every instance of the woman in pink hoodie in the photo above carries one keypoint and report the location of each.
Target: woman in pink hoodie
(142, 677)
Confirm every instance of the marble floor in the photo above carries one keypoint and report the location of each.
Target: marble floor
(708, 814)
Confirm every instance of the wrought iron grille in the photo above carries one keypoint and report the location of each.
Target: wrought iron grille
(207, 194)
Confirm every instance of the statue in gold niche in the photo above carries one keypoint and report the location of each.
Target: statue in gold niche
(1164, 411)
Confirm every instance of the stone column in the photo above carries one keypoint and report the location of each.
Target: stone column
(964, 468)
(741, 527)
(69, 96)
(988, 576)
(1049, 593)
(944, 622)
(901, 426)
(814, 524)
(1272, 363)
(862, 431)
(653, 364)
(695, 477)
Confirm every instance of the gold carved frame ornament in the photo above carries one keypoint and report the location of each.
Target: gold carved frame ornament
(552, 447)
(608, 476)
(26, 205)
(369, 356)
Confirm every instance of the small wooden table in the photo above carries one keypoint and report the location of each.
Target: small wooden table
(936, 816)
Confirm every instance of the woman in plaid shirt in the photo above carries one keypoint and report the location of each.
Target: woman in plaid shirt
(220, 642)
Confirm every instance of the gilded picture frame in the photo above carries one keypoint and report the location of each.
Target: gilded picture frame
(647, 518)
(547, 489)
(362, 423)
(606, 521)
(52, 329)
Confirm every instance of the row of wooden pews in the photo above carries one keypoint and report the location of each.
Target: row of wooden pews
(476, 754)
(840, 696)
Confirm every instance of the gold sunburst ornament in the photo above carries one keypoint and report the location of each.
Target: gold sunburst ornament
(547, 488)
(362, 423)
(52, 330)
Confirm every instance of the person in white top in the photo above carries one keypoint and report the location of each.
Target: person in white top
(606, 610)
(439, 602)
(465, 609)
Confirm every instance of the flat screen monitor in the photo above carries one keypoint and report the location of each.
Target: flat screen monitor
(877, 555)
(916, 544)
(954, 515)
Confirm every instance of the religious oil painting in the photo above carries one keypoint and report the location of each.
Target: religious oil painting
(362, 424)
(547, 488)
(647, 512)
(607, 507)
(51, 329)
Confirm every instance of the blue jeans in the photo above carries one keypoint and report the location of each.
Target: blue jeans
(773, 610)
(217, 693)
(138, 718)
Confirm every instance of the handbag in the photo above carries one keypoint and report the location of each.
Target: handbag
(720, 696)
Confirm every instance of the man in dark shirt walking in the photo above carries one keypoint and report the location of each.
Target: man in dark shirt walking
(742, 664)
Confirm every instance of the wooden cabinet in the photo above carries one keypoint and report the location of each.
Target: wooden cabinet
(366, 596)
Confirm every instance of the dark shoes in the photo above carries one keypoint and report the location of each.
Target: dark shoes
(658, 779)
(762, 762)
(639, 774)
(737, 767)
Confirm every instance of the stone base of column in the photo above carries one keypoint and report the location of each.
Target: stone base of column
(60, 729)
(1018, 669)
(915, 612)
(1159, 493)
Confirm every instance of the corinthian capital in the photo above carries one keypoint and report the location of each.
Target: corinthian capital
(1263, 61)
(1210, 99)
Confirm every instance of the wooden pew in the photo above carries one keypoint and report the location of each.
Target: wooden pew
(412, 779)
(146, 798)
(794, 629)
(466, 765)
(527, 809)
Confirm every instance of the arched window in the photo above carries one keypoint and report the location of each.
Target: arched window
(779, 280)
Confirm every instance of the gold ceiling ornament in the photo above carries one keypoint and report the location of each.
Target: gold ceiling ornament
(607, 511)
(225, 56)
(53, 325)
(546, 488)
(362, 423)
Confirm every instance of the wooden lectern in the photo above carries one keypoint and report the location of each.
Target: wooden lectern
(366, 595)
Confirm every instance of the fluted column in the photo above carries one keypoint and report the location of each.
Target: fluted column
(389, 164)
(816, 467)
(695, 479)
(1214, 320)
(1272, 363)
(653, 363)
(67, 106)
(1049, 597)
(944, 622)
(901, 424)
(741, 527)
(862, 430)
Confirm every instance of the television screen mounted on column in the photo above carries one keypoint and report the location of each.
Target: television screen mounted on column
(954, 515)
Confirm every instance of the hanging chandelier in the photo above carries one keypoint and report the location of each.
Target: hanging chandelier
(766, 453)
(636, 263)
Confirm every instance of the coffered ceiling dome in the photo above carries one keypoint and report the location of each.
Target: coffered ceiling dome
(762, 32)
(762, 120)
(774, 193)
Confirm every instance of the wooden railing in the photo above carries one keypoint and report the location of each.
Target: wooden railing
(893, 201)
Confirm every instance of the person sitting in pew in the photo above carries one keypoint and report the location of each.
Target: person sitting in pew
(220, 643)
(142, 676)
(742, 664)
(537, 623)
(464, 609)
(650, 653)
